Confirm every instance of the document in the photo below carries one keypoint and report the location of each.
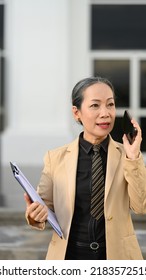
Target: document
(34, 196)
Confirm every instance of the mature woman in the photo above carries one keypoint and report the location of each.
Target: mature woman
(93, 207)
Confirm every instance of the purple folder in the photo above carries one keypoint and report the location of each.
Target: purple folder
(34, 196)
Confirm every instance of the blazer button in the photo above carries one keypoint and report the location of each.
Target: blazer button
(110, 218)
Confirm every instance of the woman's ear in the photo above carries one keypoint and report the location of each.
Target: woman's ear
(76, 114)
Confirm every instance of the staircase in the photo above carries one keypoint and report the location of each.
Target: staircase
(18, 241)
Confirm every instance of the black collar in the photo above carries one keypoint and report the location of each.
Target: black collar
(87, 146)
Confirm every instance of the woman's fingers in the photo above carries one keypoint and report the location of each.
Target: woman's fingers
(37, 212)
(27, 199)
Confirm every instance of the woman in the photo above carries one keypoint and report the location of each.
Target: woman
(66, 183)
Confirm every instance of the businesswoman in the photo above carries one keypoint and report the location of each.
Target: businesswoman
(66, 183)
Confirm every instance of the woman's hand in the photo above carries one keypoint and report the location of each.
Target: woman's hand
(132, 151)
(35, 210)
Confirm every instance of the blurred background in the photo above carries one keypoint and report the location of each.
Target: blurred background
(46, 46)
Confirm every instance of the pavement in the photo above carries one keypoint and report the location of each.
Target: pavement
(18, 241)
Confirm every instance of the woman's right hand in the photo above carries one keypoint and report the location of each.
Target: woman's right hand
(35, 210)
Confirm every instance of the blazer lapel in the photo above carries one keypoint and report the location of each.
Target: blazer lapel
(114, 156)
(71, 160)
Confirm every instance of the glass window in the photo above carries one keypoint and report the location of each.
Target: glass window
(117, 71)
(116, 30)
(143, 83)
(118, 27)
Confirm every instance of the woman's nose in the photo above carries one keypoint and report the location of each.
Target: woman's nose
(104, 112)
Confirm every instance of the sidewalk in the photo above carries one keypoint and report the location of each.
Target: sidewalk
(18, 241)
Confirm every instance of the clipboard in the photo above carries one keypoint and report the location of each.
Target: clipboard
(34, 196)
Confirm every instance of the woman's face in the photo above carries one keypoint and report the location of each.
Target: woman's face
(97, 112)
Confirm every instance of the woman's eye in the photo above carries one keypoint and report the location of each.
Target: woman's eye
(111, 104)
(94, 105)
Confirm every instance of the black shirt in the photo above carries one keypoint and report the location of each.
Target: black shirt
(85, 228)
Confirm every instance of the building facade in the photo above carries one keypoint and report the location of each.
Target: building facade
(49, 45)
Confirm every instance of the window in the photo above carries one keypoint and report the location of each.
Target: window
(143, 83)
(118, 52)
(118, 27)
(117, 71)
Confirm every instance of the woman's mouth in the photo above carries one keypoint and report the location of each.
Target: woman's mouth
(104, 125)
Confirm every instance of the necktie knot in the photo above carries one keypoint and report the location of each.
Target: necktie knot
(96, 148)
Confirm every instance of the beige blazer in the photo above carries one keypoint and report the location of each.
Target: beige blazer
(125, 189)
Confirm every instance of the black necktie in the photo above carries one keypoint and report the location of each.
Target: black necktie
(97, 193)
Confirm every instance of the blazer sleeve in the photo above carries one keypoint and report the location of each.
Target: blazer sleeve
(135, 175)
(45, 190)
(45, 187)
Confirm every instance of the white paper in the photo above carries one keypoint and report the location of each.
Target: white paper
(29, 189)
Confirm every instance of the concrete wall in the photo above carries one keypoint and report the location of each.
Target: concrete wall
(43, 59)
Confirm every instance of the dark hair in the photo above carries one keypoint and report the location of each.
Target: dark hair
(77, 92)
